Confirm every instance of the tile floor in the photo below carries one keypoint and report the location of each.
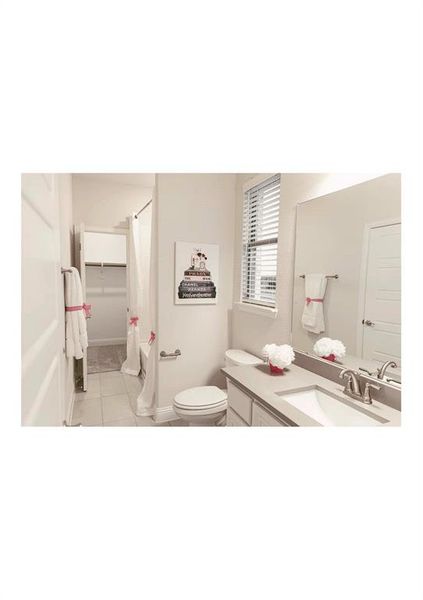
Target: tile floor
(108, 402)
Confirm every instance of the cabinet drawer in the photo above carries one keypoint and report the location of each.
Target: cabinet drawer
(261, 418)
(239, 402)
(234, 420)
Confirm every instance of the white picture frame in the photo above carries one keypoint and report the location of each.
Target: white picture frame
(196, 273)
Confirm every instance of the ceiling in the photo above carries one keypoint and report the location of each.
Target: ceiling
(142, 179)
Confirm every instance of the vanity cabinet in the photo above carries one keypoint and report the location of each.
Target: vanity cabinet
(262, 418)
(234, 420)
(243, 411)
(240, 402)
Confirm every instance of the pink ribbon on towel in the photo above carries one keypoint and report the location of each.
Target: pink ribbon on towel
(85, 307)
(152, 337)
(134, 321)
(308, 300)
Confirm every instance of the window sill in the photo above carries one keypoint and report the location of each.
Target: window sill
(262, 311)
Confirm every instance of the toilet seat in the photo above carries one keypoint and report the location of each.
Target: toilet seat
(207, 398)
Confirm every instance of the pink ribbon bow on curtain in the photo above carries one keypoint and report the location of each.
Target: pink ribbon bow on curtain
(85, 307)
(134, 321)
(152, 337)
(308, 300)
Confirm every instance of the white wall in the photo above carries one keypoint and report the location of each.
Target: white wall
(250, 332)
(193, 208)
(64, 183)
(105, 202)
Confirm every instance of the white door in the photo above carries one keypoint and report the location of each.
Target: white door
(42, 309)
(79, 232)
(381, 319)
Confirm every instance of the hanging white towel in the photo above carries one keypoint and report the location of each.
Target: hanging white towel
(75, 319)
(315, 287)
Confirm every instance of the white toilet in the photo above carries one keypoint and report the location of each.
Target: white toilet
(241, 358)
(206, 405)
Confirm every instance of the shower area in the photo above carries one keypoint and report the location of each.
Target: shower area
(106, 283)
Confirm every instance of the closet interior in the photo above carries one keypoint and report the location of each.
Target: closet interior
(105, 260)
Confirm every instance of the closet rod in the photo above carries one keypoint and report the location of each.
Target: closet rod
(144, 207)
(99, 264)
(327, 276)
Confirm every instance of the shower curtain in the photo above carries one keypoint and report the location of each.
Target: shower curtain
(132, 364)
(146, 402)
(142, 298)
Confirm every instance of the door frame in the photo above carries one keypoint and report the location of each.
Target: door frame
(363, 275)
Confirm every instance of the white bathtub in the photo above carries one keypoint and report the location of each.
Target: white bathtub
(144, 351)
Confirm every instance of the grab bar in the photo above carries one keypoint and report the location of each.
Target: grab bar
(164, 354)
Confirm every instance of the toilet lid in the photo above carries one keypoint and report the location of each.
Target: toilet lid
(240, 357)
(200, 397)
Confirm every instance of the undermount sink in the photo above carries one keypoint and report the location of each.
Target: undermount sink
(329, 410)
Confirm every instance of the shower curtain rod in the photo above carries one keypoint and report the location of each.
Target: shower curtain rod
(140, 211)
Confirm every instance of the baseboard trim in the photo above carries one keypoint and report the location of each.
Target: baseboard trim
(163, 414)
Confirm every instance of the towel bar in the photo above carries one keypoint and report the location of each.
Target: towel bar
(66, 270)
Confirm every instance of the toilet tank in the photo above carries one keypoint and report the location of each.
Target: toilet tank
(234, 357)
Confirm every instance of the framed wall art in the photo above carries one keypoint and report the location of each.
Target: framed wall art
(196, 273)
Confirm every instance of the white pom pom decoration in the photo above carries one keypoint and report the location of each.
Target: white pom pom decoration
(326, 347)
(267, 349)
(282, 356)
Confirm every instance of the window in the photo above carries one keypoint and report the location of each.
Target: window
(260, 243)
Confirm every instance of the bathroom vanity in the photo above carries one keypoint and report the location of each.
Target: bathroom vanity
(300, 398)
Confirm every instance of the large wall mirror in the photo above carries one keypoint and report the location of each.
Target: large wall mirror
(352, 239)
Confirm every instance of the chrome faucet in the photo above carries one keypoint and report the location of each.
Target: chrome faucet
(352, 386)
(367, 399)
(381, 372)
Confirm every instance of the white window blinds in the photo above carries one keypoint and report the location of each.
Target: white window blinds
(260, 242)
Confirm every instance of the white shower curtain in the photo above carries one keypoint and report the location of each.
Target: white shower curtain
(142, 305)
(146, 401)
(132, 364)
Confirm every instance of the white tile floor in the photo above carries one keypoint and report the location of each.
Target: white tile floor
(108, 402)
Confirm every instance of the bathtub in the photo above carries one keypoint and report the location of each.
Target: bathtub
(144, 352)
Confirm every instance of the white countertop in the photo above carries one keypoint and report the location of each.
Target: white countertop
(263, 387)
